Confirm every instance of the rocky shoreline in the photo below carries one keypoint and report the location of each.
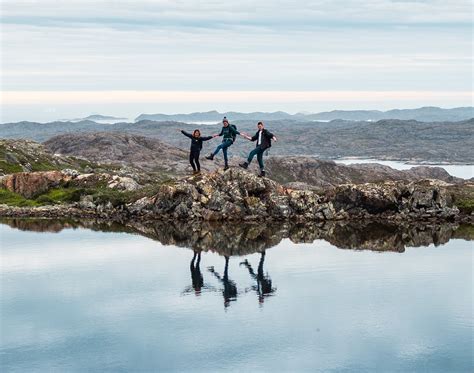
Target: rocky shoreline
(237, 195)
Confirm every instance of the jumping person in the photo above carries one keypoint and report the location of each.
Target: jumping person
(229, 133)
(264, 141)
(196, 147)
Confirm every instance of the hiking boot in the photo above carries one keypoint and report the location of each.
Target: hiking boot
(262, 174)
(210, 157)
(244, 165)
(226, 167)
(196, 172)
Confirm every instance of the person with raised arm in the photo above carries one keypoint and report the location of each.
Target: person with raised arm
(264, 138)
(196, 147)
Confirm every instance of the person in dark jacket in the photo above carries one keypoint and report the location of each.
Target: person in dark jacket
(229, 133)
(196, 147)
(264, 141)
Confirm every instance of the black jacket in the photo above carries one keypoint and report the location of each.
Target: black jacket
(266, 139)
(196, 142)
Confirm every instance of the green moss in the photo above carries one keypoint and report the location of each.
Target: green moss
(9, 168)
(60, 195)
(465, 205)
(14, 199)
(43, 166)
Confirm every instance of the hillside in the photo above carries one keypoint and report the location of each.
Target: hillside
(147, 153)
(414, 141)
(27, 156)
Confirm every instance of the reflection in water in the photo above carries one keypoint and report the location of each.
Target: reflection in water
(196, 275)
(230, 288)
(248, 238)
(264, 283)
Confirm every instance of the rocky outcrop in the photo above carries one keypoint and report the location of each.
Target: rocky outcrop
(147, 153)
(308, 171)
(31, 184)
(240, 195)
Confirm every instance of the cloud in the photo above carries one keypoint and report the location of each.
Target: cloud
(215, 14)
(303, 45)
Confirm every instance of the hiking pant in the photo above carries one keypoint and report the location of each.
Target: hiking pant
(258, 151)
(194, 160)
(224, 146)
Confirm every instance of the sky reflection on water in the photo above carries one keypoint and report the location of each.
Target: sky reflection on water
(82, 300)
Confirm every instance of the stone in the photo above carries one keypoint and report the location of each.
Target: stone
(31, 184)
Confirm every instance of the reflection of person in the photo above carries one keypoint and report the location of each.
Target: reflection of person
(230, 288)
(264, 141)
(196, 147)
(229, 133)
(264, 283)
(196, 275)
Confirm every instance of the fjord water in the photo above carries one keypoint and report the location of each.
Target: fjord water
(77, 299)
(463, 171)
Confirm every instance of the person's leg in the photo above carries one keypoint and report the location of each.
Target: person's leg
(226, 161)
(251, 155)
(260, 159)
(219, 147)
(196, 160)
(191, 161)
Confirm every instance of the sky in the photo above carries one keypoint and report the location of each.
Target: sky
(69, 59)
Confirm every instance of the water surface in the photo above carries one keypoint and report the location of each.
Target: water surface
(84, 296)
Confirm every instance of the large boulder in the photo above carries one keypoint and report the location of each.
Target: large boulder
(31, 184)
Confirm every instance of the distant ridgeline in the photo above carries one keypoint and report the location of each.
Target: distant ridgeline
(424, 114)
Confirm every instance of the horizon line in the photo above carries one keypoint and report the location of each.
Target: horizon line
(156, 96)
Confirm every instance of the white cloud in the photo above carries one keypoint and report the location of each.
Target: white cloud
(143, 45)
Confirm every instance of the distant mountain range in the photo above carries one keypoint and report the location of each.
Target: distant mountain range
(424, 114)
(97, 118)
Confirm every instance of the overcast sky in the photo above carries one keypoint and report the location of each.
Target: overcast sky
(63, 59)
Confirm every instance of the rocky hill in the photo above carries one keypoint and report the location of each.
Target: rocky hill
(27, 156)
(386, 139)
(297, 171)
(149, 154)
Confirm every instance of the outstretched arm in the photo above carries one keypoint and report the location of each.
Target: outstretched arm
(186, 134)
(205, 138)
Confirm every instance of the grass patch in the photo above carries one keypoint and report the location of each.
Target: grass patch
(9, 168)
(60, 195)
(14, 199)
(465, 205)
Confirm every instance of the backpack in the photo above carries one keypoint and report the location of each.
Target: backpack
(234, 134)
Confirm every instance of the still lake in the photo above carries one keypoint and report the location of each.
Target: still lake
(464, 171)
(83, 296)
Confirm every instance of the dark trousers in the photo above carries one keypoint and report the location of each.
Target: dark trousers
(194, 160)
(258, 151)
(224, 146)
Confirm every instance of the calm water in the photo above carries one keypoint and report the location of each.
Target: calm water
(87, 297)
(459, 170)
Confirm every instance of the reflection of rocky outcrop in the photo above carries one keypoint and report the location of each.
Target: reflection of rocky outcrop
(246, 238)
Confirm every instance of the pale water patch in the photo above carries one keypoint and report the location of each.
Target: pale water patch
(464, 171)
(82, 300)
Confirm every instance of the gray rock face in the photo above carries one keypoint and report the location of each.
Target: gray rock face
(240, 195)
(119, 148)
(307, 172)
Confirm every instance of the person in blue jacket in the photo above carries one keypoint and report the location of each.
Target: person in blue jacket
(196, 147)
(229, 133)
